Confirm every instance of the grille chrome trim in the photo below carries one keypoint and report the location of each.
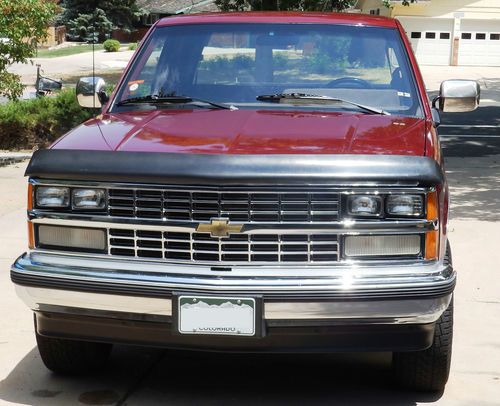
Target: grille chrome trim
(411, 226)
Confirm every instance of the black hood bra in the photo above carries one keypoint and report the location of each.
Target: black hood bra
(233, 170)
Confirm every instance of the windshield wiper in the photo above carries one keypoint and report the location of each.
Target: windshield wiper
(155, 99)
(287, 97)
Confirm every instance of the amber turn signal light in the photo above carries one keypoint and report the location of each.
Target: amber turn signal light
(31, 231)
(432, 237)
(432, 206)
(431, 245)
(31, 236)
(30, 197)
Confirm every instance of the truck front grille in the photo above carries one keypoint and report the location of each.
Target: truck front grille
(236, 249)
(249, 207)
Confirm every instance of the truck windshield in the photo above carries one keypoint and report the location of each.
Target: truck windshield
(235, 64)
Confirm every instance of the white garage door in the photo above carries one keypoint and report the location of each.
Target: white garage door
(430, 38)
(479, 43)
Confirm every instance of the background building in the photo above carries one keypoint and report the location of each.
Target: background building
(447, 32)
(154, 10)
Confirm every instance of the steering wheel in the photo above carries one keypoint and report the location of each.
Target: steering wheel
(350, 83)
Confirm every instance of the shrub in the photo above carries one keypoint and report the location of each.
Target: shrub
(226, 66)
(111, 45)
(25, 124)
(132, 46)
(280, 61)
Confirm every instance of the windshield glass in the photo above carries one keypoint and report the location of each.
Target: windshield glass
(236, 63)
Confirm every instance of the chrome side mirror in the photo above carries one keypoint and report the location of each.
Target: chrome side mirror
(91, 92)
(457, 96)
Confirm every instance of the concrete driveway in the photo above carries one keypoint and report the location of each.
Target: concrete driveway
(72, 65)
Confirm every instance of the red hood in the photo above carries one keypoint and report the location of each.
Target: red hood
(250, 132)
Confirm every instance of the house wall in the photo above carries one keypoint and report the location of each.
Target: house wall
(472, 9)
(55, 36)
(367, 5)
(448, 32)
(474, 26)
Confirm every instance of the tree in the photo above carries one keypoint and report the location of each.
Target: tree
(91, 27)
(288, 5)
(120, 13)
(23, 24)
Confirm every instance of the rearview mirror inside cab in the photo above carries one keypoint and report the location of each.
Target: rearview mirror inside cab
(458, 96)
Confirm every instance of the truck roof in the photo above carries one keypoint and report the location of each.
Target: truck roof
(280, 17)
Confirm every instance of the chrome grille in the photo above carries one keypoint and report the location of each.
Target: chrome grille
(236, 249)
(250, 207)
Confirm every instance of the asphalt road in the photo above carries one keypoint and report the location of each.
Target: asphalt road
(138, 376)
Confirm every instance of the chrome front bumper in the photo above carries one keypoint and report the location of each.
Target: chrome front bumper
(411, 293)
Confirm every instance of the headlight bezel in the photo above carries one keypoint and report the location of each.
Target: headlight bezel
(69, 205)
(384, 213)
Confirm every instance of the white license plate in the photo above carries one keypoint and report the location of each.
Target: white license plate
(216, 315)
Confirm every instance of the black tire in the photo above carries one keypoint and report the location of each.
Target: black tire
(428, 370)
(71, 356)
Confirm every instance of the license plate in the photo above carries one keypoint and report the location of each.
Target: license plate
(216, 315)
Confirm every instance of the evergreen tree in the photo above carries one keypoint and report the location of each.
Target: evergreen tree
(122, 14)
(93, 27)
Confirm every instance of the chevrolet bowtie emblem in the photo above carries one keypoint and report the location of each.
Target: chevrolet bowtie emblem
(219, 228)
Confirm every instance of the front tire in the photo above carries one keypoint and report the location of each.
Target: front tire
(71, 356)
(428, 370)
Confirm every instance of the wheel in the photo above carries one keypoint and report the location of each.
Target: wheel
(72, 356)
(428, 370)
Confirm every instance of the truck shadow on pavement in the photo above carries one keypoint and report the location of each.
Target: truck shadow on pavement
(474, 186)
(140, 376)
(472, 161)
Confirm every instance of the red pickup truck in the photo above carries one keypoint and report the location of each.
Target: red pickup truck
(268, 182)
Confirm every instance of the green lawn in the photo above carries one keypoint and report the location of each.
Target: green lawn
(111, 77)
(77, 49)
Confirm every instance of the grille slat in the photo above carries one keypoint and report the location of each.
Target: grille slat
(250, 207)
(236, 249)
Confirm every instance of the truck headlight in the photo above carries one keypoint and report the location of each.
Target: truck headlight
(364, 205)
(405, 205)
(52, 196)
(89, 199)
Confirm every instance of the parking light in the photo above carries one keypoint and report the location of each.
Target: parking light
(71, 238)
